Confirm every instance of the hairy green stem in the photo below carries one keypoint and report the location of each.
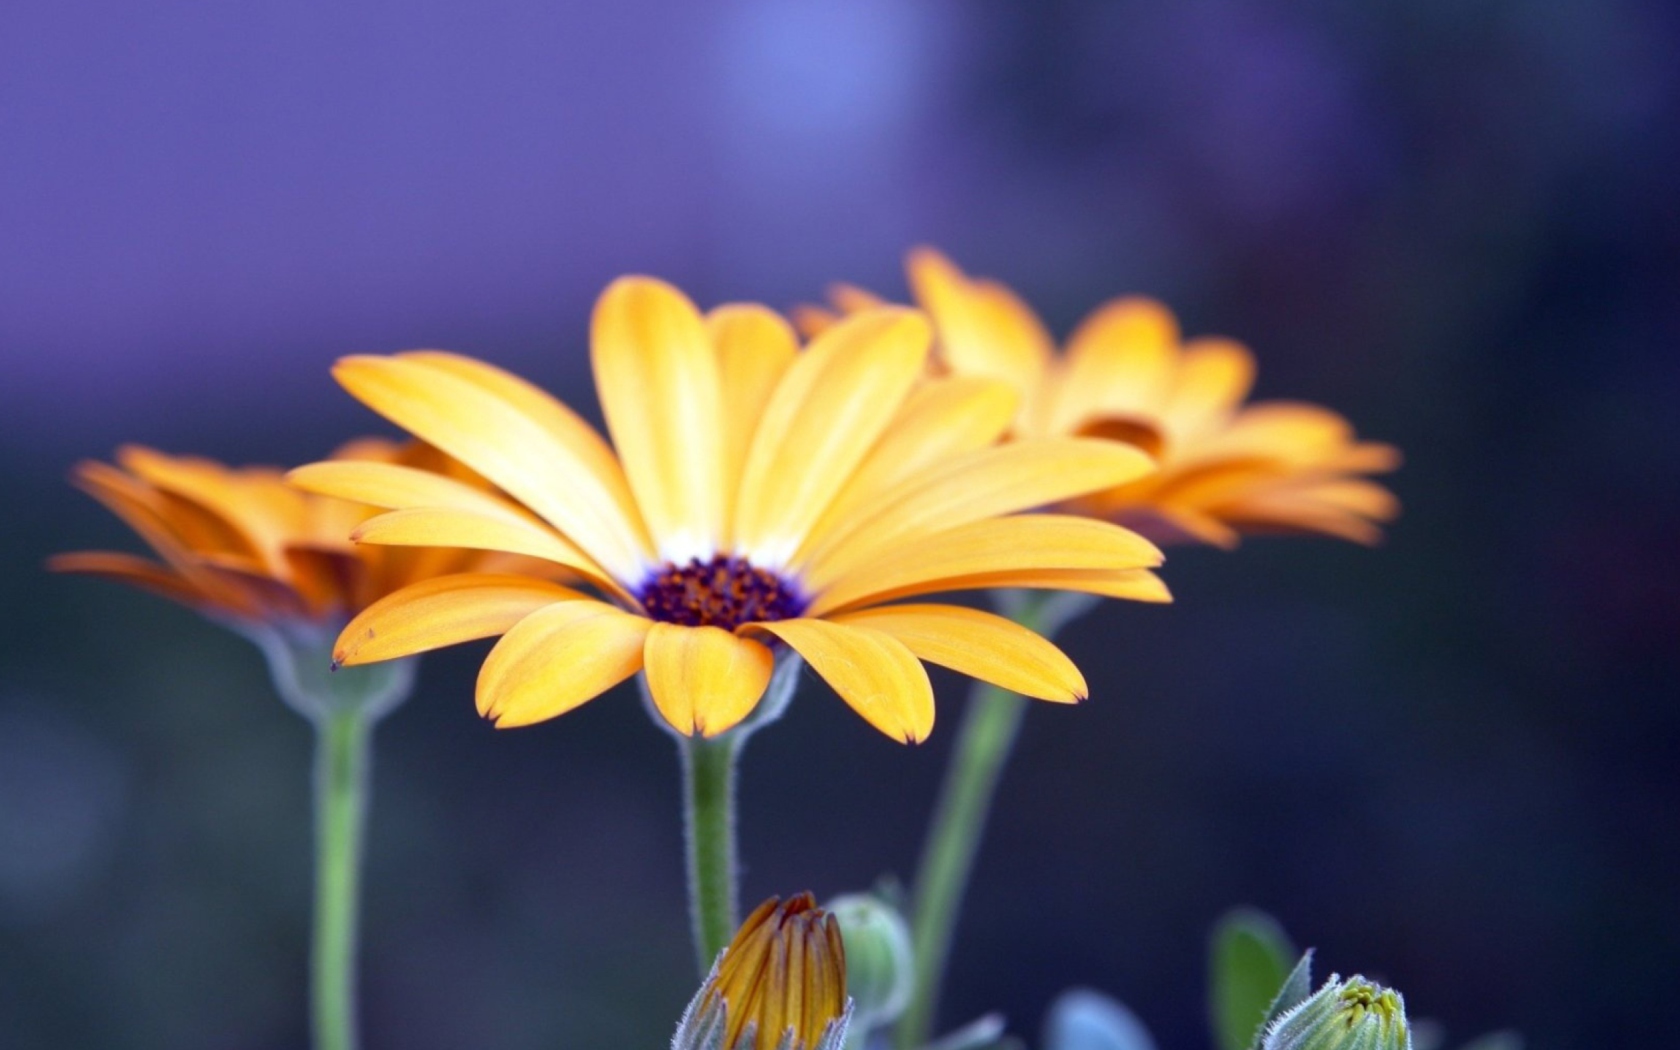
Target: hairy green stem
(342, 757)
(709, 808)
(991, 722)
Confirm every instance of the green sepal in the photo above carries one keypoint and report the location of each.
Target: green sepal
(1248, 963)
(1297, 987)
(301, 666)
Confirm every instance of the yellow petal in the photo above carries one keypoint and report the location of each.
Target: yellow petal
(1025, 542)
(1288, 431)
(939, 420)
(1364, 457)
(871, 670)
(558, 658)
(395, 487)
(1138, 585)
(1342, 507)
(243, 510)
(145, 511)
(658, 380)
(126, 568)
(1173, 522)
(444, 611)
(811, 320)
(454, 527)
(981, 645)
(1119, 363)
(754, 347)
(831, 405)
(1356, 496)
(984, 328)
(495, 437)
(1275, 516)
(704, 679)
(1213, 377)
(562, 424)
(1022, 475)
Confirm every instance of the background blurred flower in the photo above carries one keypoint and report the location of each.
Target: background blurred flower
(241, 544)
(1127, 375)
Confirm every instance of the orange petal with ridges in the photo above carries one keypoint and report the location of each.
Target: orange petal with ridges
(394, 487)
(126, 568)
(1119, 363)
(981, 645)
(558, 658)
(754, 347)
(445, 610)
(940, 419)
(831, 405)
(1022, 543)
(1213, 377)
(452, 527)
(703, 679)
(1022, 475)
(493, 436)
(984, 328)
(657, 377)
(875, 673)
(565, 426)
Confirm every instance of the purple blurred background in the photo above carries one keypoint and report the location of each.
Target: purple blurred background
(1450, 762)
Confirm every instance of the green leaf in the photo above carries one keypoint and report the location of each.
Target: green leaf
(1248, 965)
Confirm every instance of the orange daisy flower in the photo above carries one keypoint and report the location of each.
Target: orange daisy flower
(1226, 468)
(754, 494)
(242, 545)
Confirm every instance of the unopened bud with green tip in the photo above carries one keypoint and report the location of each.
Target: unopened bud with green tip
(879, 963)
(1355, 1014)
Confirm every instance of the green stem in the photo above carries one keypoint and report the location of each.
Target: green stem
(991, 722)
(342, 752)
(709, 808)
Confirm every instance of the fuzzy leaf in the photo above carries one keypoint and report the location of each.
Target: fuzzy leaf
(1248, 964)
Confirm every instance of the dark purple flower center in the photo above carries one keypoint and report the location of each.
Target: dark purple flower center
(722, 592)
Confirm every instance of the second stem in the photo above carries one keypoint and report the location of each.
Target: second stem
(341, 778)
(991, 722)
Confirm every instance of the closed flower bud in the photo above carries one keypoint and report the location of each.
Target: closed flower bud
(878, 960)
(1354, 1014)
(779, 985)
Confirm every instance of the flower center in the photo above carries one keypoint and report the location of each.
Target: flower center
(723, 592)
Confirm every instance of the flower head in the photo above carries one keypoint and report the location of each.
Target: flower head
(754, 495)
(779, 985)
(1226, 468)
(242, 545)
(1354, 1014)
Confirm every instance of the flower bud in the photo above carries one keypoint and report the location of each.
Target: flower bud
(779, 985)
(1354, 1014)
(878, 960)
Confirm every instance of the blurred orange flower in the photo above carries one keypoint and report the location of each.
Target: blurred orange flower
(241, 544)
(1226, 468)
